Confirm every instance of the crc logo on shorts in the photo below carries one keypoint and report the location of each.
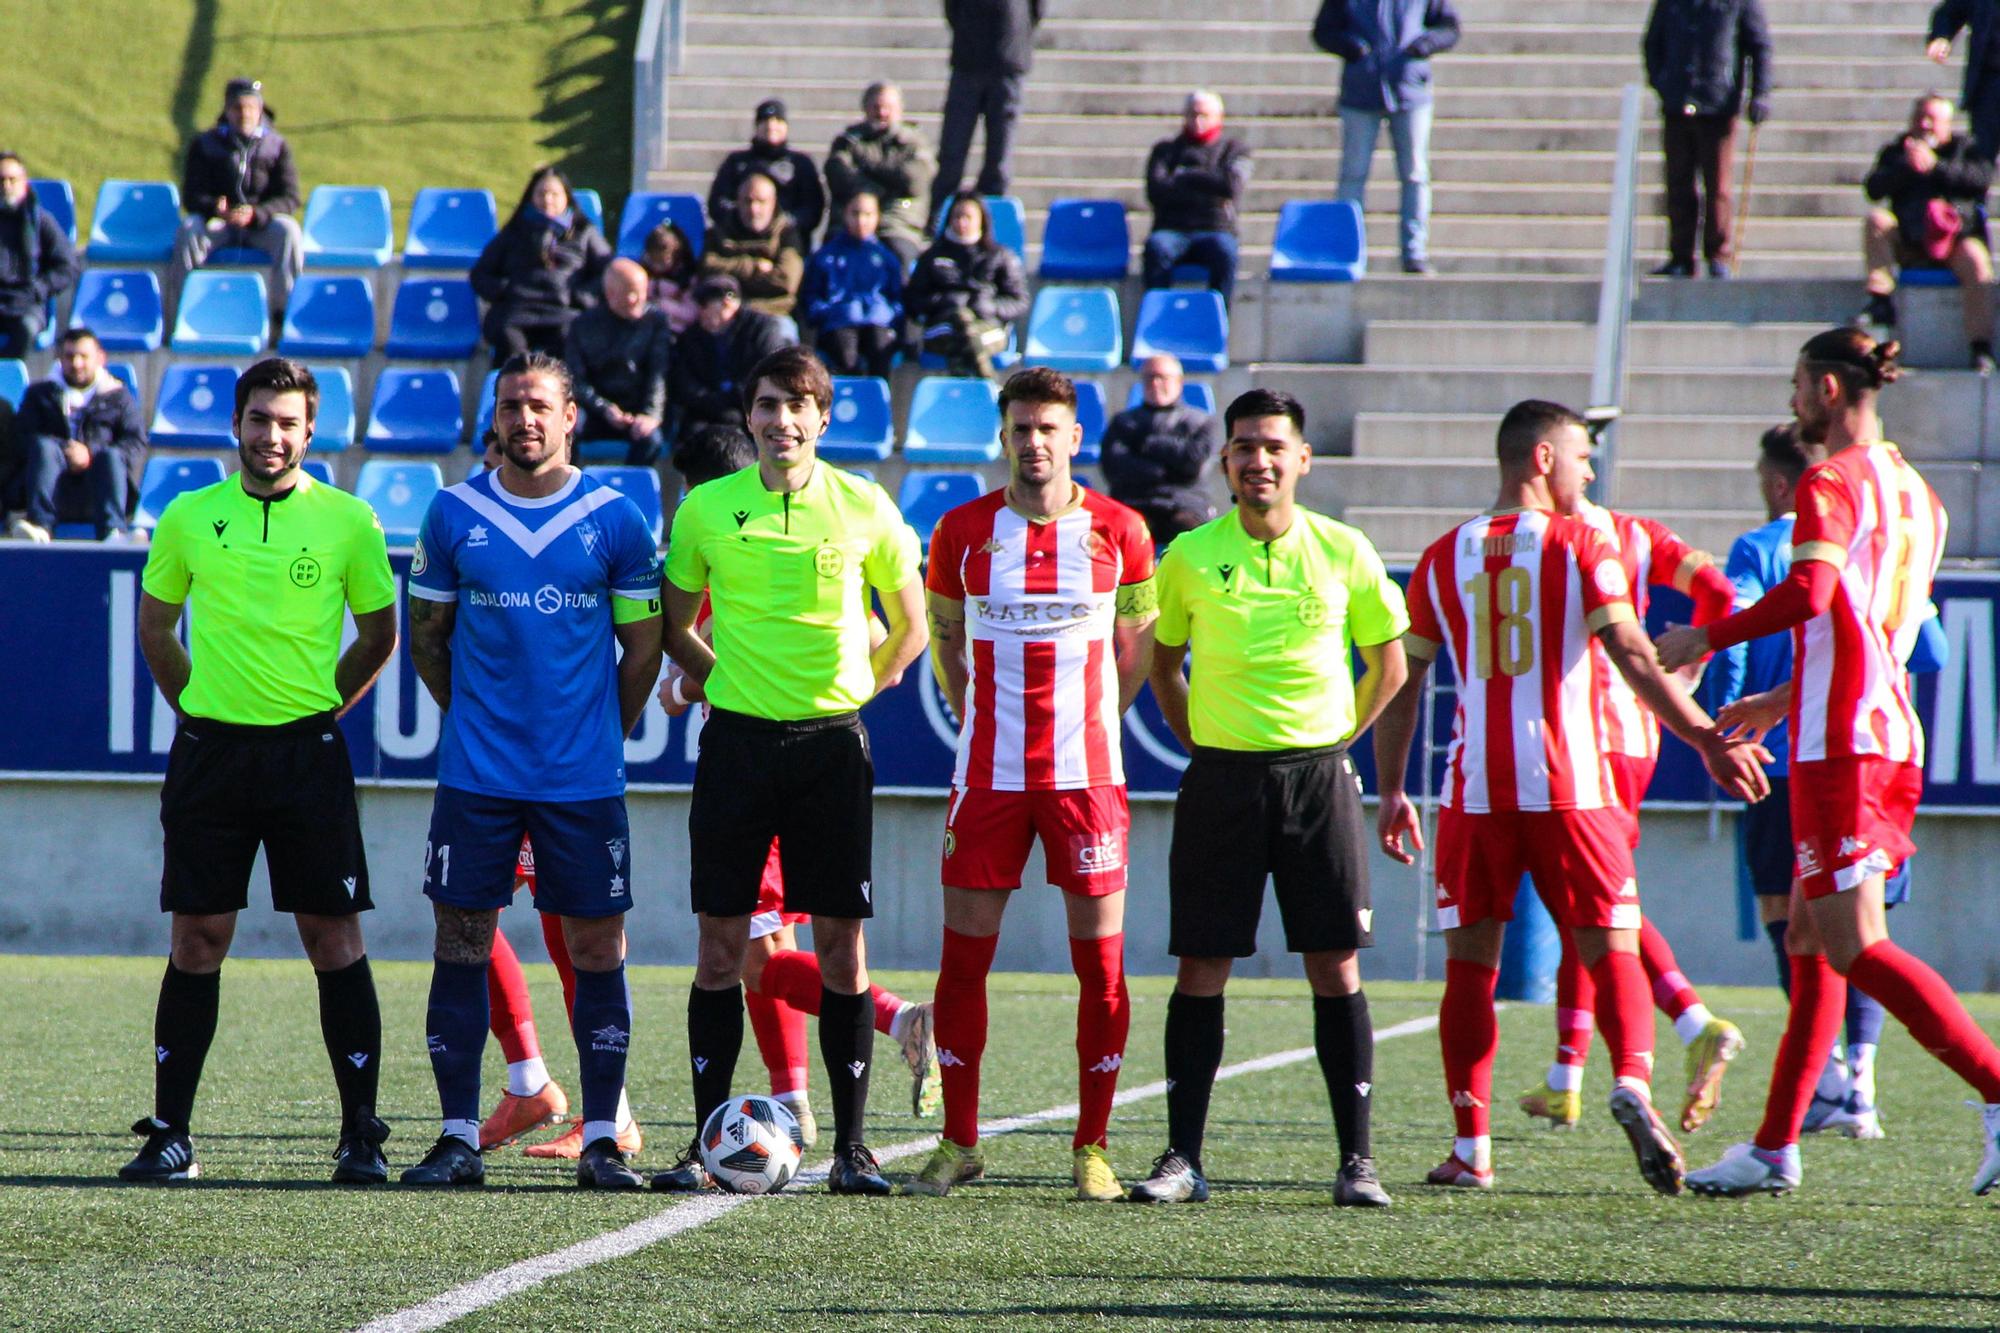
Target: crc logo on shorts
(1098, 853)
(828, 562)
(305, 572)
(1312, 611)
(1809, 862)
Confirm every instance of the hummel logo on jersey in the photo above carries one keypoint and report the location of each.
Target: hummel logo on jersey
(610, 1037)
(948, 1060)
(618, 886)
(1364, 1088)
(476, 535)
(1108, 1065)
(219, 525)
(857, 1067)
(436, 1044)
(160, 1054)
(742, 516)
(1465, 1100)
(616, 846)
(359, 1059)
(348, 884)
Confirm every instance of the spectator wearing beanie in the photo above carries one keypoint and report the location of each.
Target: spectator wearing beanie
(800, 194)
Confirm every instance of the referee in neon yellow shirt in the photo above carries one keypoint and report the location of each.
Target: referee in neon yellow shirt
(1271, 599)
(787, 553)
(270, 559)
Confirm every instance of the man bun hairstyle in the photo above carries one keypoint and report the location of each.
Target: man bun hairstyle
(1527, 424)
(795, 370)
(552, 368)
(1038, 387)
(1781, 451)
(278, 374)
(1264, 403)
(1855, 358)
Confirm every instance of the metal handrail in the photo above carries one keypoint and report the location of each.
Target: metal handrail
(1614, 297)
(656, 55)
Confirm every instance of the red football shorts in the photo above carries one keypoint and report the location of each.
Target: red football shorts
(1851, 819)
(1630, 776)
(1581, 861)
(987, 836)
(770, 915)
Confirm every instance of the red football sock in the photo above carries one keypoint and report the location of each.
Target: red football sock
(1819, 1003)
(887, 1005)
(1469, 1036)
(1625, 1014)
(512, 1013)
(552, 936)
(792, 975)
(1576, 998)
(781, 1040)
(1103, 1020)
(960, 1017)
(1922, 1002)
(1671, 990)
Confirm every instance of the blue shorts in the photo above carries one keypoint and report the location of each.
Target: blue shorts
(1896, 888)
(583, 853)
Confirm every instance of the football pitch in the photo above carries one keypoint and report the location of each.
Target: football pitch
(1883, 1234)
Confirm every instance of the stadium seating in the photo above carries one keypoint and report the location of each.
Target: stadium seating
(58, 200)
(13, 380)
(433, 319)
(591, 204)
(122, 306)
(1091, 416)
(1086, 240)
(448, 228)
(646, 209)
(319, 470)
(602, 451)
(1927, 277)
(135, 222)
(1193, 326)
(329, 316)
(415, 412)
(1010, 221)
(641, 485)
(1319, 240)
(123, 372)
(347, 226)
(488, 389)
(333, 429)
(1075, 329)
(194, 407)
(1195, 393)
(862, 428)
(46, 338)
(166, 478)
(399, 493)
(953, 420)
(926, 496)
(222, 314)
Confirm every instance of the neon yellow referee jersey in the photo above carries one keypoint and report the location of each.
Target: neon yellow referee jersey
(268, 580)
(1271, 626)
(788, 575)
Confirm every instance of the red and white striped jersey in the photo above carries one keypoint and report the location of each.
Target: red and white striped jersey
(1653, 556)
(1515, 598)
(1041, 598)
(1868, 513)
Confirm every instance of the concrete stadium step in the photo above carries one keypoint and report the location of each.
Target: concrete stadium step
(1401, 435)
(1469, 483)
(1653, 346)
(1401, 533)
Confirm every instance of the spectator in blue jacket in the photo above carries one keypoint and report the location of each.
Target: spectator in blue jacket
(853, 293)
(36, 259)
(1386, 47)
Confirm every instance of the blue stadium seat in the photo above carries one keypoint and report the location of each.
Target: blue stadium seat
(194, 408)
(1086, 240)
(122, 372)
(166, 478)
(434, 319)
(645, 210)
(1319, 240)
(416, 412)
(222, 314)
(122, 306)
(46, 338)
(1927, 277)
(1075, 329)
(927, 495)
(640, 485)
(347, 226)
(1195, 393)
(333, 429)
(135, 222)
(1194, 326)
(489, 391)
(953, 420)
(862, 429)
(399, 493)
(602, 451)
(591, 204)
(13, 380)
(58, 200)
(448, 228)
(329, 316)
(1090, 415)
(319, 470)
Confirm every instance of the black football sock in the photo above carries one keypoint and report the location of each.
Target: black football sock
(847, 1044)
(1776, 930)
(1344, 1039)
(715, 1037)
(350, 1021)
(183, 1027)
(1194, 1053)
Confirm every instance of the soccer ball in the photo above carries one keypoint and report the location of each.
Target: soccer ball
(750, 1145)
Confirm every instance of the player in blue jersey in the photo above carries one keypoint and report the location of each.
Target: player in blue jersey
(535, 624)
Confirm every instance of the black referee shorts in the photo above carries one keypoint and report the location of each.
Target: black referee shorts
(290, 789)
(1767, 841)
(1293, 816)
(810, 785)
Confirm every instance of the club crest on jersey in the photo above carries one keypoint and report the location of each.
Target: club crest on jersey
(419, 560)
(828, 562)
(1610, 579)
(1094, 545)
(476, 535)
(616, 846)
(304, 572)
(589, 534)
(1312, 611)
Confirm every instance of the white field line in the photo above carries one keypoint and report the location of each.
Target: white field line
(705, 1208)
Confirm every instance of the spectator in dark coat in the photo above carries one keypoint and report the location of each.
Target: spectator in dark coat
(853, 294)
(711, 359)
(1934, 183)
(1157, 455)
(241, 190)
(1195, 182)
(1386, 52)
(617, 355)
(800, 193)
(966, 290)
(540, 270)
(37, 260)
(760, 248)
(886, 155)
(992, 47)
(1699, 55)
(671, 272)
(85, 442)
(1982, 63)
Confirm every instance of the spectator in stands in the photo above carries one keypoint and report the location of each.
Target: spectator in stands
(1699, 54)
(241, 190)
(1934, 183)
(1982, 63)
(712, 358)
(760, 248)
(37, 261)
(672, 271)
(966, 290)
(1156, 456)
(800, 193)
(1194, 181)
(992, 46)
(883, 154)
(540, 270)
(1386, 51)
(853, 294)
(85, 442)
(617, 355)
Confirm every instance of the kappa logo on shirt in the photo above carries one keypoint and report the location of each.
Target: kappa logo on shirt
(1851, 846)
(994, 546)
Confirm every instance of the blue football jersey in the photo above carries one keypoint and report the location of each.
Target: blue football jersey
(534, 683)
(1758, 562)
